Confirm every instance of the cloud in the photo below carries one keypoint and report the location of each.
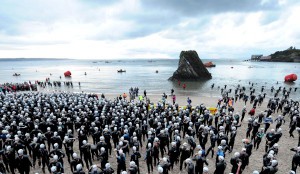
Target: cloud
(196, 7)
(147, 28)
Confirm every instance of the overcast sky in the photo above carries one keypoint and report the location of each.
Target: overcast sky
(91, 29)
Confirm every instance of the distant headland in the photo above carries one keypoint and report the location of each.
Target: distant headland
(32, 59)
(289, 55)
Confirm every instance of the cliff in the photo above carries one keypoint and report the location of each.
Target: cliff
(290, 55)
(190, 67)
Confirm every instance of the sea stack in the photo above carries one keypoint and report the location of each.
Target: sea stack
(190, 67)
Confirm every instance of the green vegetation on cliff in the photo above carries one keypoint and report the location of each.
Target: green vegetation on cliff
(289, 55)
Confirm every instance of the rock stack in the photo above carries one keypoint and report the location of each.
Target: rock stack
(190, 67)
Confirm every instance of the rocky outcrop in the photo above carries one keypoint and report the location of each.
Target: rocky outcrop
(190, 67)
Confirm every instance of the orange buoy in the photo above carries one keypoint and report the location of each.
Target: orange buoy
(290, 78)
(67, 73)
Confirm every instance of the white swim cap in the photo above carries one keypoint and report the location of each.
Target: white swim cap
(236, 154)
(78, 167)
(132, 163)
(160, 169)
(53, 169)
(55, 157)
(20, 151)
(107, 165)
(42, 146)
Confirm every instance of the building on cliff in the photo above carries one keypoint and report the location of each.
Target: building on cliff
(256, 57)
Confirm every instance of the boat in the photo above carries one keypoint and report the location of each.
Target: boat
(121, 70)
(209, 64)
(107, 61)
(15, 74)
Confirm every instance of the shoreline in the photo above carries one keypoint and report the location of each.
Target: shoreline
(215, 93)
(181, 100)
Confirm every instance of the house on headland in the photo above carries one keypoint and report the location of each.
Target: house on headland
(256, 57)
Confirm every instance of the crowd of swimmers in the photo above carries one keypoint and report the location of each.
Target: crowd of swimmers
(15, 87)
(48, 83)
(83, 131)
(133, 93)
(29, 86)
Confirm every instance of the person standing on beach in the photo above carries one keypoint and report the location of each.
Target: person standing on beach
(293, 126)
(124, 96)
(243, 113)
(23, 163)
(121, 160)
(296, 158)
(268, 120)
(149, 157)
(184, 86)
(172, 91)
(189, 101)
(220, 166)
(245, 99)
(200, 160)
(258, 138)
(252, 112)
(174, 99)
(212, 86)
(185, 154)
(135, 157)
(270, 136)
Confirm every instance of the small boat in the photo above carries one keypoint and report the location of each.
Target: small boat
(15, 74)
(156, 71)
(85, 73)
(209, 65)
(94, 62)
(250, 67)
(121, 71)
(107, 61)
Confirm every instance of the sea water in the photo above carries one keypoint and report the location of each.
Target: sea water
(102, 76)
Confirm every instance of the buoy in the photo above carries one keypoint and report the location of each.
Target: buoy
(67, 73)
(290, 78)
